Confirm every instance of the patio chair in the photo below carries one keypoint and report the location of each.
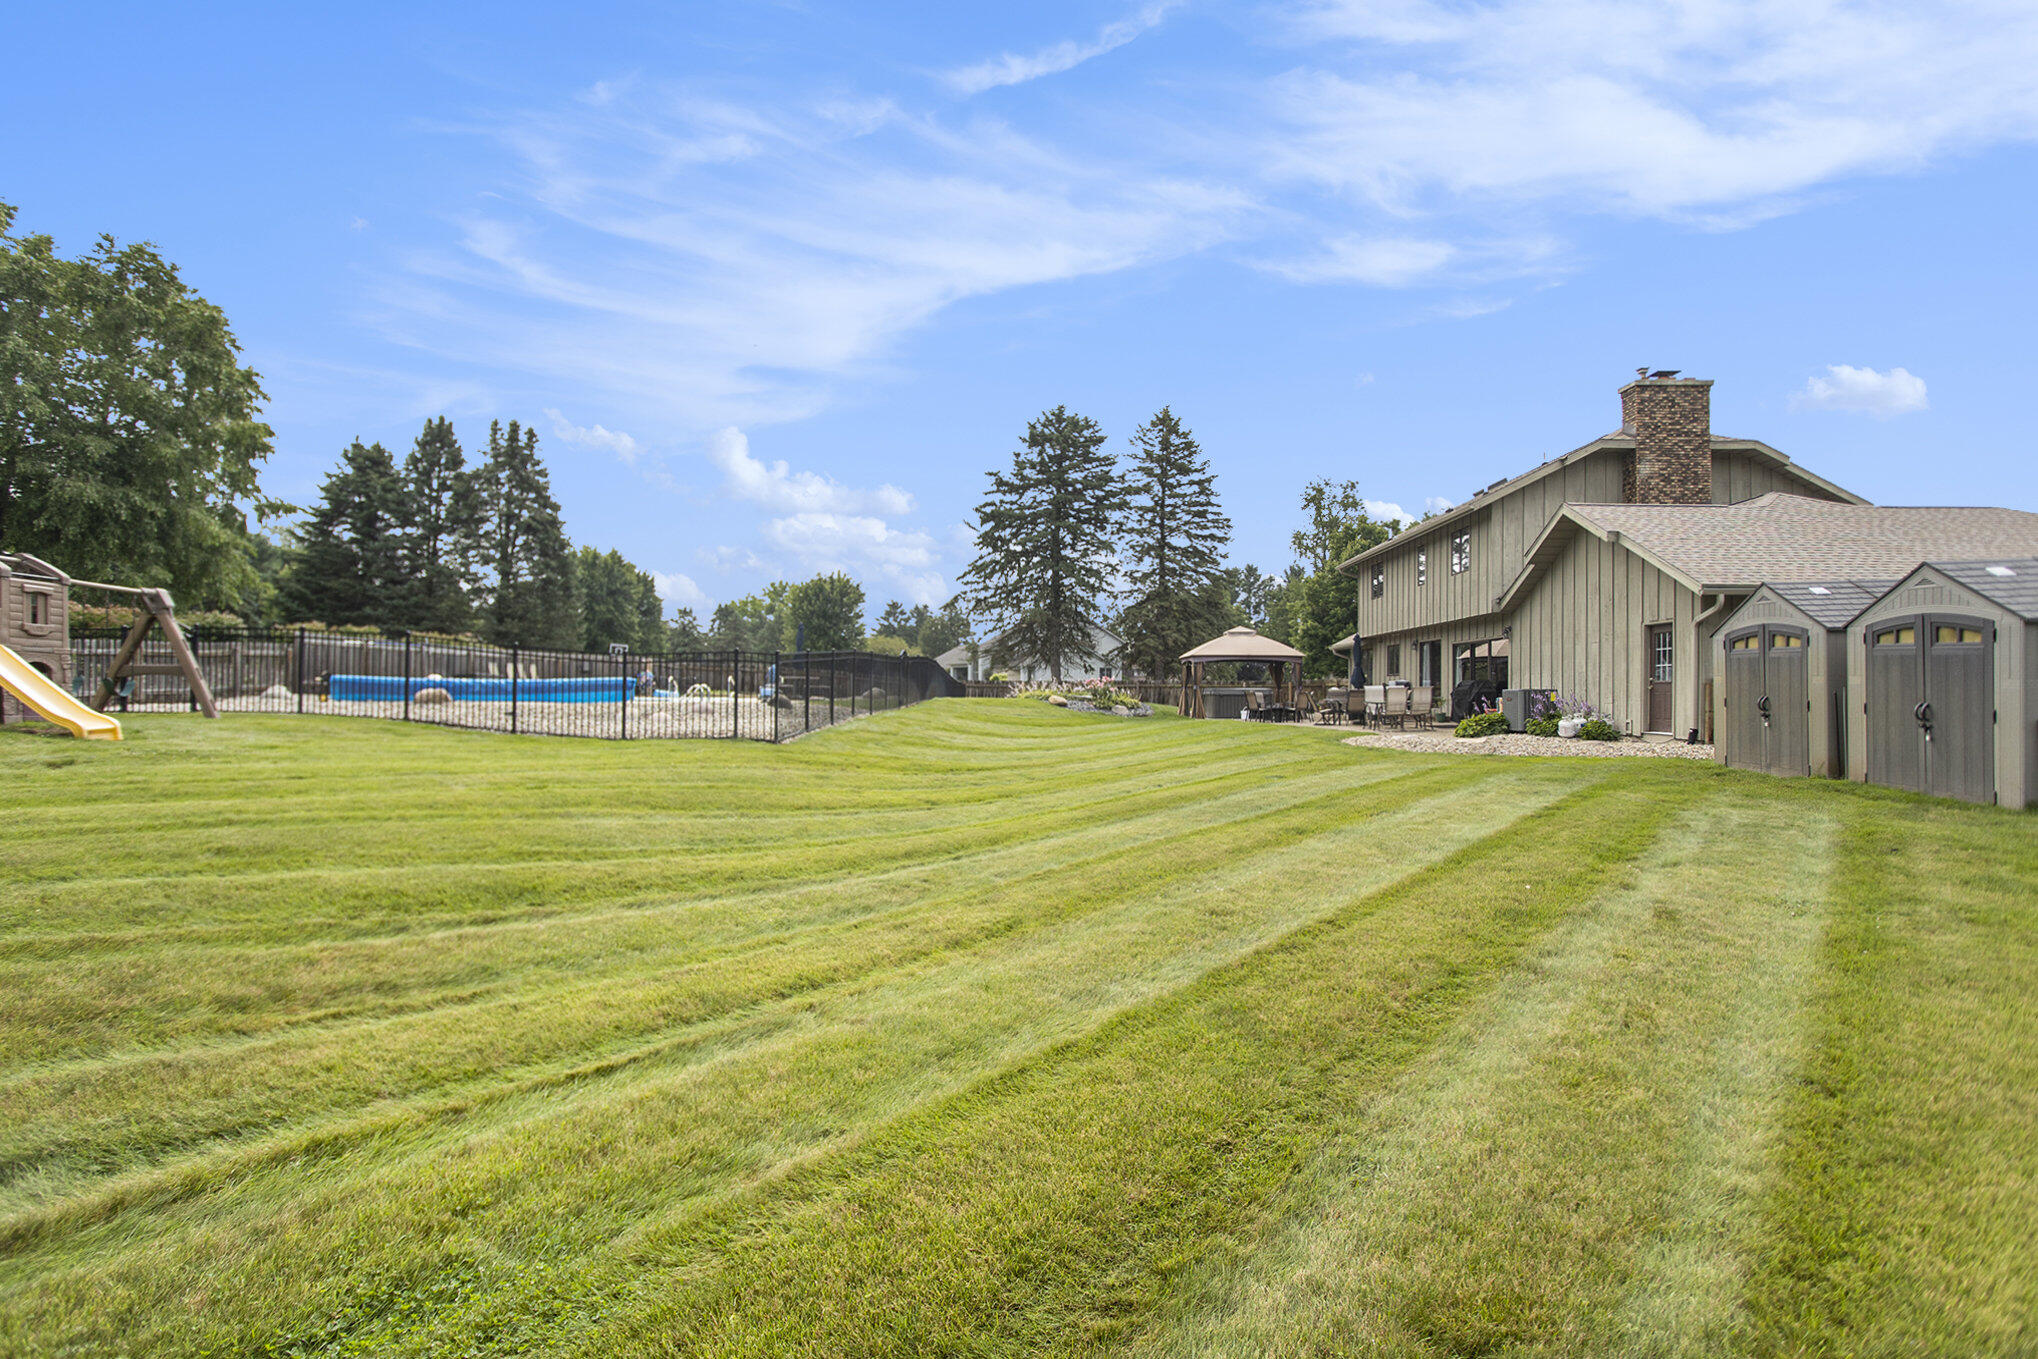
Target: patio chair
(1422, 705)
(1376, 701)
(1255, 711)
(1395, 708)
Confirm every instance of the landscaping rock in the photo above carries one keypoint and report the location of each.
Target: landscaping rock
(429, 697)
(1057, 700)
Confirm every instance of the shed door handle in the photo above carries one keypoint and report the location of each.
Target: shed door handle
(1762, 706)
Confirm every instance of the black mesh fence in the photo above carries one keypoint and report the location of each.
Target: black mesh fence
(615, 695)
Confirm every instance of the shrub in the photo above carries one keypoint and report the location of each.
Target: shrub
(1599, 729)
(1483, 724)
(1541, 726)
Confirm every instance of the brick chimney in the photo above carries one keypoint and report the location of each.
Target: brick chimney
(1671, 421)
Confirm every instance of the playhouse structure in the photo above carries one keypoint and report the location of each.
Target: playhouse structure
(35, 649)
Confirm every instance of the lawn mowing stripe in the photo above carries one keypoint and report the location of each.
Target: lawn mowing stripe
(639, 1135)
(1577, 1170)
(255, 983)
(1048, 1206)
(242, 1091)
(1903, 1221)
(360, 897)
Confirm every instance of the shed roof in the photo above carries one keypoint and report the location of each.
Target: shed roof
(1780, 537)
(1830, 603)
(2011, 582)
(1242, 644)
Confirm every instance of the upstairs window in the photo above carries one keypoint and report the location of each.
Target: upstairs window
(1379, 581)
(1422, 567)
(38, 608)
(1461, 554)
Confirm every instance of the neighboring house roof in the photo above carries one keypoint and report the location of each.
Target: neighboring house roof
(1606, 443)
(1831, 603)
(959, 655)
(1779, 537)
(1242, 644)
(2011, 582)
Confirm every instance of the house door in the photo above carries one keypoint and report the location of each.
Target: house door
(1662, 674)
(1931, 705)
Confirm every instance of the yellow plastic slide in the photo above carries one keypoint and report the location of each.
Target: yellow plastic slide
(44, 696)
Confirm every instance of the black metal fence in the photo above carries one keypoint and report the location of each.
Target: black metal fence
(617, 695)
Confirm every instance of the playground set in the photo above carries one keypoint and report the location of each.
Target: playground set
(35, 649)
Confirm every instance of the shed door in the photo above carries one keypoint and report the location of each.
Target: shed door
(1959, 706)
(1786, 718)
(1741, 737)
(1662, 675)
(1896, 696)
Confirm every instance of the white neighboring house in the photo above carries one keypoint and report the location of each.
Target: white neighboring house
(972, 661)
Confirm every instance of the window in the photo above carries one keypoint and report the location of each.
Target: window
(1659, 658)
(1785, 640)
(1461, 554)
(1379, 581)
(1896, 637)
(1422, 567)
(1745, 643)
(1394, 659)
(1944, 633)
(38, 608)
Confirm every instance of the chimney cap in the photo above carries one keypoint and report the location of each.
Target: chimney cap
(1666, 372)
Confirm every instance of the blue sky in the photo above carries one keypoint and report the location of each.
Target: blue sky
(778, 284)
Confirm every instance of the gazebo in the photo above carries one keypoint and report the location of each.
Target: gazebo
(1241, 645)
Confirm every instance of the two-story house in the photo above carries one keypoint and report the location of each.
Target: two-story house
(1604, 573)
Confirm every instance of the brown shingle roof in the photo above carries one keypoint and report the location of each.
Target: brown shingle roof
(1779, 537)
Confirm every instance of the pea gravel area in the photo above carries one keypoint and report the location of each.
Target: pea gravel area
(1444, 743)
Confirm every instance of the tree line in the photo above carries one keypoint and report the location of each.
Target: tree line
(1068, 536)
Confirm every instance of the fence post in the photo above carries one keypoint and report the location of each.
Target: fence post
(629, 687)
(299, 685)
(516, 666)
(406, 674)
(831, 688)
(777, 692)
(735, 693)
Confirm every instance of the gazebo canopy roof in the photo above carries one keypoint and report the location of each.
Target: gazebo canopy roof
(1242, 644)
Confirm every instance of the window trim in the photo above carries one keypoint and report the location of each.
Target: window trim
(1421, 567)
(1461, 552)
(1379, 580)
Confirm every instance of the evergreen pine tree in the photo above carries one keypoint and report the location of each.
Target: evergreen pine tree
(349, 569)
(442, 527)
(531, 595)
(1175, 536)
(895, 621)
(1045, 542)
(618, 603)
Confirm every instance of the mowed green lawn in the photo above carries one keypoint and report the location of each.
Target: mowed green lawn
(988, 1028)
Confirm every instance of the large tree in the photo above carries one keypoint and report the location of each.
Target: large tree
(825, 612)
(128, 437)
(749, 622)
(618, 603)
(442, 516)
(1175, 535)
(349, 569)
(531, 595)
(1318, 605)
(1045, 542)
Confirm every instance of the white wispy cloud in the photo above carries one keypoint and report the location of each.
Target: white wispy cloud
(866, 547)
(1386, 511)
(775, 486)
(711, 264)
(1710, 110)
(1436, 504)
(678, 590)
(1016, 69)
(592, 436)
(1846, 388)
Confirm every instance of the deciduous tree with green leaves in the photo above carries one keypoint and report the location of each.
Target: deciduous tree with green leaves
(1175, 534)
(618, 603)
(1046, 540)
(1318, 605)
(129, 441)
(827, 611)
